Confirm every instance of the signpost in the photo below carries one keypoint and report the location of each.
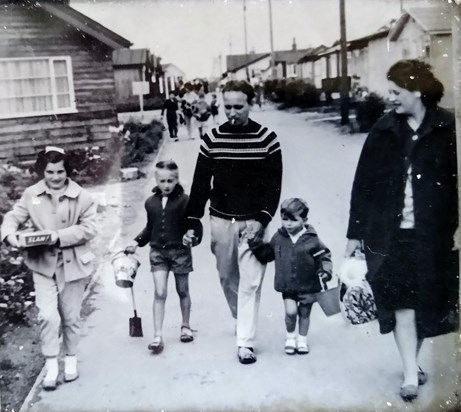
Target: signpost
(140, 89)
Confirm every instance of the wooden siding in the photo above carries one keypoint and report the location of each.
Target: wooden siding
(30, 32)
(124, 78)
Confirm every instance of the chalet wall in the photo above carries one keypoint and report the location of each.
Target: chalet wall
(30, 32)
(124, 78)
(441, 59)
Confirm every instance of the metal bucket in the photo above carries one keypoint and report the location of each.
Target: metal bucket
(329, 301)
(125, 267)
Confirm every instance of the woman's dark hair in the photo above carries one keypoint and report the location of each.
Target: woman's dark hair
(240, 86)
(44, 157)
(415, 75)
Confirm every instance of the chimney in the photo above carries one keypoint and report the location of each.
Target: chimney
(293, 47)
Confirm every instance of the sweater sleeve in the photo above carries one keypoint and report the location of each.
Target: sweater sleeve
(272, 184)
(200, 190)
(362, 190)
(144, 236)
(264, 252)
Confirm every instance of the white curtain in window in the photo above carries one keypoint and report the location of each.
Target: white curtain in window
(28, 86)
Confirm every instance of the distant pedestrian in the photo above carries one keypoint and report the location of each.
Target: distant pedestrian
(302, 264)
(239, 169)
(60, 269)
(171, 108)
(258, 96)
(404, 212)
(188, 100)
(201, 111)
(214, 106)
(164, 229)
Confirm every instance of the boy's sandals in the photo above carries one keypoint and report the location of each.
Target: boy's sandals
(186, 334)
(246, 355)
(290, 346)
(156, 346)
(302, 348)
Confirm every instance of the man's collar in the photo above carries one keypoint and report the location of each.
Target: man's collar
(72, 190)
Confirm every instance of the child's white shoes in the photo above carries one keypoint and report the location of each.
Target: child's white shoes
(302, 347)
(70, 368)
(290, 344)
(51, 376)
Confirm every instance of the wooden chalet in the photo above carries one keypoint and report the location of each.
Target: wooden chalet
(56, 76)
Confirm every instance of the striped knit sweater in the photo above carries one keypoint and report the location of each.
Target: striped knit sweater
(239, 169)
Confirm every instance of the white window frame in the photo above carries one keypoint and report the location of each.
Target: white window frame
(70, 78)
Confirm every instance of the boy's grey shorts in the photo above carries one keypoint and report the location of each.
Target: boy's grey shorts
(175, 259)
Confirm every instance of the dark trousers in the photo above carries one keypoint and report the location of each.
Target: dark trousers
(172, 126)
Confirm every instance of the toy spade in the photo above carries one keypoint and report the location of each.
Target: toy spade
(135, 322)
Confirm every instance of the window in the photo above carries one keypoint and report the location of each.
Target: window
(37, 86)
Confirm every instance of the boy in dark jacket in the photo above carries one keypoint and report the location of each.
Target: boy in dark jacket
(302, 261)
(164, 231)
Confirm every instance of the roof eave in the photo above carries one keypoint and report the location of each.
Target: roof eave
(115, 41)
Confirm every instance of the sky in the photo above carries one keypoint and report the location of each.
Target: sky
(192, 34)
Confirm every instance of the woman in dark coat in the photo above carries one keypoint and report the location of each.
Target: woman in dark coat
(404, 214)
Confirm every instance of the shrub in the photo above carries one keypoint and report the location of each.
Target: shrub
(368, 111)
(140, 139)
(292, 92)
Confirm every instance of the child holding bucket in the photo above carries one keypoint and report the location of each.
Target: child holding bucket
(301, 262)
(164, 232)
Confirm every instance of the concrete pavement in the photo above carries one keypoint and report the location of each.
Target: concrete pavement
(350, 368)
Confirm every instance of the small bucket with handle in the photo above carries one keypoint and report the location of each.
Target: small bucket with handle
(329, 300)
(125, 267)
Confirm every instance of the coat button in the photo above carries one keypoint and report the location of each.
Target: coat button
(63, 220)
(61, 198)
(68, 260)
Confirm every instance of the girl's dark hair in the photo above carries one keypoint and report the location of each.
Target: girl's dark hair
(290, 208)
(416, 75)
(240, 86)
(43, 158)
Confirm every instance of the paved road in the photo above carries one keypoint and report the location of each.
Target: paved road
(350, 368)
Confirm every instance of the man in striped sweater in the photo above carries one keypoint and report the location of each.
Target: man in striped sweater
(239, 169)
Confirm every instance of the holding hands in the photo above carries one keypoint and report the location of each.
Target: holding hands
(131, 248)
(189, 239)
(254, 233)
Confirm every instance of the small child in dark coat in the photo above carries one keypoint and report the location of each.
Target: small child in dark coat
(302, 262)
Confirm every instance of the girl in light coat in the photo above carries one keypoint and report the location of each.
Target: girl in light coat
(60, 269)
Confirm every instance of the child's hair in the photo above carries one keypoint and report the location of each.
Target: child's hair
(167, 164)
(290, 208)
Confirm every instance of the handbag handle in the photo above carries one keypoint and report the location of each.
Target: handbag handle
(325, 286)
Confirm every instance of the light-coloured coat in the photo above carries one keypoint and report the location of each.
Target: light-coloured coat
(72, 216)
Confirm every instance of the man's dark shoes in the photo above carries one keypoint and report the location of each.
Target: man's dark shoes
(246, 355)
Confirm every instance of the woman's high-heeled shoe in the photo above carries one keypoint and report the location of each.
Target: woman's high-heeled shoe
(409, 392)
